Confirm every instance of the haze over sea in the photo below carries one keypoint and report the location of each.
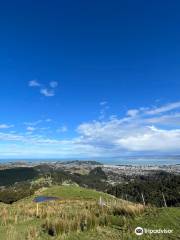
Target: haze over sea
(127, 160)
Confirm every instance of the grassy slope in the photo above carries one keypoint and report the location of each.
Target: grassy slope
(19, 221)
(74, 192)
(160, 218)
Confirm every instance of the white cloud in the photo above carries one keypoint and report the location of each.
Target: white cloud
(62, 129)
(167, 119)
(53, 84)
(34, 83)
(32, 123)
(155, 140)
(134, 133)
(48, 120)
(132, 112)
(139, 132)
(134, 137)
(165, 108)
(103, 110)
(10, 137)
(47, 92)
(30, 129)
(103, 103)
(5, 126)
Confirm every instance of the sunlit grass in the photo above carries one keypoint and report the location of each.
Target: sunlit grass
(76, 216)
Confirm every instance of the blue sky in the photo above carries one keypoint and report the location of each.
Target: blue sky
(89, 79)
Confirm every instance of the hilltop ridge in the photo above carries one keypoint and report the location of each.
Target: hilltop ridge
(79, 215)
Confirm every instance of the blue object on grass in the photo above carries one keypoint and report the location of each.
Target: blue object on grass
(44, 199)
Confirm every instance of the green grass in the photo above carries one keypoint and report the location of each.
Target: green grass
(162, 218)
(117, 221)
(75, 192)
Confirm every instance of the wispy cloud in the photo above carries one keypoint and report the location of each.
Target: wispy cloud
(165, 108)
(30, 129)
(62, 129)
(33, 123)
(47, 92)
(37, 124)
(138, 132)
(48, 120)
(141, 131)
(104, 108)
(34, 83)
(5, 126)
(53, 84)
(132, 112)
(44, 90)
(102, 103)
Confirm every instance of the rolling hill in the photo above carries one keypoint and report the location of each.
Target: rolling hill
(79, 214)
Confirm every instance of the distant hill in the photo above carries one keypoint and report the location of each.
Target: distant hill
(79, 162)
(13, 175)
(97, 173)
(44, 168)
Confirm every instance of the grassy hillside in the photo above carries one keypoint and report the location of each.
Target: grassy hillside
(78, 216)
(75, 192)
